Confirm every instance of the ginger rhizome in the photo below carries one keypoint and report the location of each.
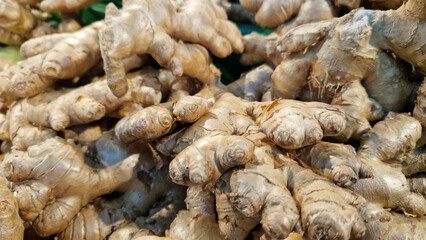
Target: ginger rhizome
(391, 140)
(93, 101)
(336, 162)
(305, 56)
(142, 27)
(88, 156)
(50, 58)
(74, 183)
(18, 23)
(288, 14)
(227, 136)
(254, 85)
(59, 5)
(11, 225)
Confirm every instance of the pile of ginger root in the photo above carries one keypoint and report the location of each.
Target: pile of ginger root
(124, 129)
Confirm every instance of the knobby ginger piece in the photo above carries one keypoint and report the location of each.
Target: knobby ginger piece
(105, 215)
(326, 210)
(351, 97)
(9, 38)
(113, 222)
(337, 162)
(93, 101)
(199, 221)
(11, 225)
(55, 169)
(19, 131)
(391, 140)
(83, 134)
(155, 121)
(18, 23)
(159, 28)
(232, 223)
(254, 85)
(64, 5)
(272, 13)
(49, 58)
(293, 124)
(264, 189)
(306, 55)
(382, 224)
(204, 161)
(235, 123)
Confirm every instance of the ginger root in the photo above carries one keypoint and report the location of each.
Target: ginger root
(336, 162)
(382, 224)
(93, 101)
(313, 48)
(272, 13)
(254, 85)
(11, 225)
(55, 169)
(327, 211)
(49, 58)
(18, 23)
(264, 189)
(141, 27)
(392, 139)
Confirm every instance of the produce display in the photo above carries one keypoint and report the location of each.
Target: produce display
(212, 119)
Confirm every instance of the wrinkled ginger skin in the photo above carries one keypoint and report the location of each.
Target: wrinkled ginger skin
(71, 55)
(309, 52)
(232, 122)
(391, 139)
(35, 186)
(263, 189)
(87, 103)
(22, 133)
(403, 32)
(327, 211)
(136, 30)
(359, 110)
(147, 124)
(272, 13)
(11, 225)
(254, 86)
(397, 226)
(336, 162)
(204, 161)
(94, 221)
(189, 109)
(199, 222)
(293, 124)
(63, 6)
(233, 224)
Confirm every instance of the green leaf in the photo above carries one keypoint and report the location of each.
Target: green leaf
(10, 52)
